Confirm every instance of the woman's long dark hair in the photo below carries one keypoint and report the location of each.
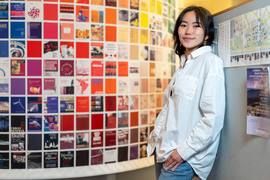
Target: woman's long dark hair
(206, 20)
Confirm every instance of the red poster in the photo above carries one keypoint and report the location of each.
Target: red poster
(97, 68)
(97, 121)
(50, 12)
(110, 103)
(67, 122)
(66, 68)
(82, 122)
(97, 139)
(110, 138)
(82, 50)
(110, 121)
(82, 104)
(34, 49)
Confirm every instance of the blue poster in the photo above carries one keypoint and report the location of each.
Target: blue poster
(34, 30)
(17, 30)
(52, 104)
(17, 11)
(34, 123)
(34, 105)
(17, 105)
(4, 30)
(3, 11)
(3, 48)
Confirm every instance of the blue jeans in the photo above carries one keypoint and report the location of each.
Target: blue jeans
(183, 172)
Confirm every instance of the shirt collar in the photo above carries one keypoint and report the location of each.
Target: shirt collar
(195, 54)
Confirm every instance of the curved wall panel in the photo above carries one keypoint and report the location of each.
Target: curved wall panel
(81, 83)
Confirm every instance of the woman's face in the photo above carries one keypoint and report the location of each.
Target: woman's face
(191, 32)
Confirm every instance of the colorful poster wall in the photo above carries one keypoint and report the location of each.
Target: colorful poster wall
(81, 83)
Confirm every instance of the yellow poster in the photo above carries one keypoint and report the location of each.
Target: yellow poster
(122, 34)
(144, 20)
(144, 36)
(144, 5)
(159, 7)
(134, 35)
(153, 6)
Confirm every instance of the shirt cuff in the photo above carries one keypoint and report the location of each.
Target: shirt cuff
(185, 151)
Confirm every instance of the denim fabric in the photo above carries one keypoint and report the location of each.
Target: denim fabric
(183, 172)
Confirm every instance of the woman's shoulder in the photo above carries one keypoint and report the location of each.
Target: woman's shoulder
(211, 63)
(211, 59)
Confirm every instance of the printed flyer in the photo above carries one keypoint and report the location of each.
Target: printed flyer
(258, 100)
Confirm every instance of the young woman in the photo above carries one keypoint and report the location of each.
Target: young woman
(187, 130)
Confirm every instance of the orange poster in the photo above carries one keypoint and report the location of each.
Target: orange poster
(152, 69)
(122, 68)
(123, 4)
(82, 104)
(110, 86)
(134, 116)
(110, 16)
(96, 86)
(110, 33)
(97, 2)
(82, 1)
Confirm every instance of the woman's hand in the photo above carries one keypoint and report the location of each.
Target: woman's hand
(174, 160)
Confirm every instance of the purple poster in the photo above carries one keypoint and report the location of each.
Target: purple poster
(134, 152)
(52, 104)
(34, 67)
(258, 100)
(17, 86)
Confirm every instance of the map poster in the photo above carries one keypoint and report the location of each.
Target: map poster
(258, 100)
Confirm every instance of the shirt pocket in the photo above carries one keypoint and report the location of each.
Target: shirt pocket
(186, 87)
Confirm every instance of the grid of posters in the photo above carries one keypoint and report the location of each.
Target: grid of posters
(75, 80)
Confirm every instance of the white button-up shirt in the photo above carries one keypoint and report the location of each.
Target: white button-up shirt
(193, 112)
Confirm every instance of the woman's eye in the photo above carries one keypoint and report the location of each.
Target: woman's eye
(183, 25)
(197, 26)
